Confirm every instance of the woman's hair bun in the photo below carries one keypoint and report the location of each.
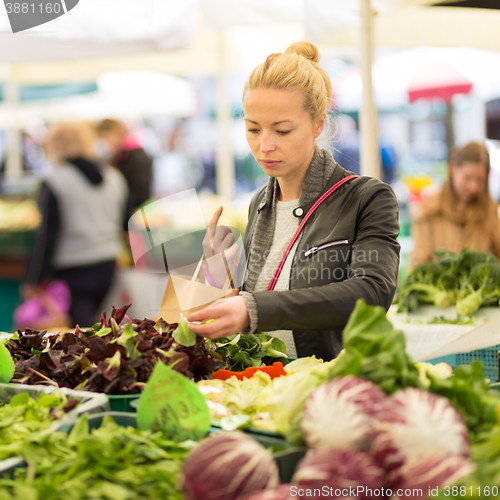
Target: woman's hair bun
(305, 49)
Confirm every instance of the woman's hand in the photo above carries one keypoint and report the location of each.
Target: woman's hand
(217, 240)
(230, 314)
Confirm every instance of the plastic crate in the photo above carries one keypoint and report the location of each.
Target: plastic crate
(125, 419)
(287, 457)
(89, 402)
(489, 358)
(287, 461)
(124, 403)
(450, 359)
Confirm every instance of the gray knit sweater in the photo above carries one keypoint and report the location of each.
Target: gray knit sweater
(319, 172)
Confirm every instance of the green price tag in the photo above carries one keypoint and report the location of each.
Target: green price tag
(6, 365)
(172, 403)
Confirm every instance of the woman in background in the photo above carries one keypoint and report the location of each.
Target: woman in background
(462, 214)
(128, 156)
(84, 214)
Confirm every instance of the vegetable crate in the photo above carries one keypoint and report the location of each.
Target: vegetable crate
(124, 403)
(489, 358)
(286, 457)
(450, 359)
(122, 418)
(89, 402)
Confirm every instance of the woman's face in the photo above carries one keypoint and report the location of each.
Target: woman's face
(280, 131)
(469, 180)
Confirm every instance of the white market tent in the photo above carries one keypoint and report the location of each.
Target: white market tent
(102, 28)
(209, 36)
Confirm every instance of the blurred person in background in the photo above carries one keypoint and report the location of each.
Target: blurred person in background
(347, 149)
(180, 166)
(125, 153)
(84, 209)
(462, 213)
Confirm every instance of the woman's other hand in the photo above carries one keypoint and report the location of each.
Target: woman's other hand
(230, 314)
(219, 239)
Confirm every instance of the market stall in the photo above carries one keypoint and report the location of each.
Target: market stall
(249, 401)
(236, 418)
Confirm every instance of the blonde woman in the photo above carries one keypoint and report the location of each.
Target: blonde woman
(84, 214)
(347, 247)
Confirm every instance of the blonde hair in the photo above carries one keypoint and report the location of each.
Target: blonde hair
(112, 125)
(296, 69)
(65, 141)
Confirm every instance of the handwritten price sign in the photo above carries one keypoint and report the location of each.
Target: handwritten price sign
(172, 403)
(25, 14)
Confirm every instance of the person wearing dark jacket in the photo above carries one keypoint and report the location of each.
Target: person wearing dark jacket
(84, 209)
(129, 157)
(301, 286)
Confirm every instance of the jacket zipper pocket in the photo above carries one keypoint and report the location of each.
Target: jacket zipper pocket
(313, 250)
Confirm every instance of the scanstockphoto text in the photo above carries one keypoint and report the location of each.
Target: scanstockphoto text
(355, 491)
(429, 492)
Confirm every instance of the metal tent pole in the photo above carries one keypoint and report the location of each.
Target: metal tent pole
(224, 168)
(369, 154)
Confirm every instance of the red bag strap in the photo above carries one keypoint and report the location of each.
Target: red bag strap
(303, 223)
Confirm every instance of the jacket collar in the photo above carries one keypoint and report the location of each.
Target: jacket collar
(323, 172)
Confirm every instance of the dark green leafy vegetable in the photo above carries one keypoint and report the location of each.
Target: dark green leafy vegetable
(111, 462)
(424, 285)
(254, 350)
(482, 288)
(469, 279)
(111, 357)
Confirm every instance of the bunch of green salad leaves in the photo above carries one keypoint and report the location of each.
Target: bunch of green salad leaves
(114, 462)
(24, 416)
(238, 351)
